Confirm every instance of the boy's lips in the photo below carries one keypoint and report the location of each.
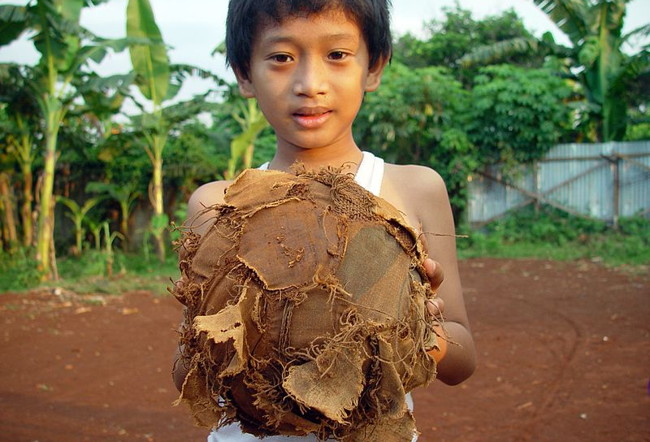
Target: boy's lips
(311, 117)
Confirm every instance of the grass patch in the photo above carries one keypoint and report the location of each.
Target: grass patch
(544, 234)
(88, 273)
(17, 271)
(556, 235)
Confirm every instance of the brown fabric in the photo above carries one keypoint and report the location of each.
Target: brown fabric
(304, 310)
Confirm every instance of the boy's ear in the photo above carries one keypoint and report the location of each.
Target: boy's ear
(245, 86)
(374, 74)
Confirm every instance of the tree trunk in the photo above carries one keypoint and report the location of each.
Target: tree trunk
(26, 208)
(25, 159)
(54, 270)
(78, 236)
(6, 203)
(157, 202)
(124, 225)
(45, 221)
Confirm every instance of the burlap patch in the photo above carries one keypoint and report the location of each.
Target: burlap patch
(304, 310)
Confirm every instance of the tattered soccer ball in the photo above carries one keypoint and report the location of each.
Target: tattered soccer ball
(305, 310)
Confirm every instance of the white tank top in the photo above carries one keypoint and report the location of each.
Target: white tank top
(369, 176)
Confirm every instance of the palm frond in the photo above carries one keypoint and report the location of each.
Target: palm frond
(186, 110)
(184, 70)
(633, 69)
(498, 51)
(13, 22)
(640, 32)
(180, 72)
(569, 15)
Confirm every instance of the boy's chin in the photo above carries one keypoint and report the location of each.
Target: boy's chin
(301, 146)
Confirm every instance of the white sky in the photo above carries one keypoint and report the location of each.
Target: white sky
(193, 28)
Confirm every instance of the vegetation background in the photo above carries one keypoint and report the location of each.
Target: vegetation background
(90, 196)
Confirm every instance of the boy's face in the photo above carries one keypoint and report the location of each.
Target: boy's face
(309, 75)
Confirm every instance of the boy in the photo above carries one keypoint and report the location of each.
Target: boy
(309, 63)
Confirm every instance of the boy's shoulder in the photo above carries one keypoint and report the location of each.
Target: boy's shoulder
(210, 193)
(204, 196)
(413, 176)
(419, 192)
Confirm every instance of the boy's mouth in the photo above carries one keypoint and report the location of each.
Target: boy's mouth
(312, 117)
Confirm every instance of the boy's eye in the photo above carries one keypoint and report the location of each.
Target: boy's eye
(281, 58)
(337, 55)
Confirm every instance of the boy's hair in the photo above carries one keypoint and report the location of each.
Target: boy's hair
(245, 16)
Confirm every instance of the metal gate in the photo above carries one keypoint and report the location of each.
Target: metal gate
(602, 181)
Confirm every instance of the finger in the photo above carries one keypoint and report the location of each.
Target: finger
(436, 307)
(440, 350)
(434, 273)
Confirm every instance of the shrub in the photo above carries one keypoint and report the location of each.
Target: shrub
(552, 234)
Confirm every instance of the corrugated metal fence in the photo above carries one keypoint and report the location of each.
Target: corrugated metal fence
(603, 181)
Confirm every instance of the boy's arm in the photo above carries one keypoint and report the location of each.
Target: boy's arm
(428, 196)
(205, 196)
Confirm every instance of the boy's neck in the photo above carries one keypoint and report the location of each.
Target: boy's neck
(346, 158)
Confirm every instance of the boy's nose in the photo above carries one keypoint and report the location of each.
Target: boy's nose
(311, 79)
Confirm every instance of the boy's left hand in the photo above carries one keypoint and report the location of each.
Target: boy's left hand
(434, 273)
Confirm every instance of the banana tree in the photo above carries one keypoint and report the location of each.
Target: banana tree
(151, 65)
(65, 48)
(8, 235)
(125, 195)
(252, 122)
(158, 81)
(595, 60)
(95, 226)
(77, 213)
(109, 238)
(22, 113)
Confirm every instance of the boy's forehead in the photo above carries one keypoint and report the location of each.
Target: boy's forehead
(271, 27)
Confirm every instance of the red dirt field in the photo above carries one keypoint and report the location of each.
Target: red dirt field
(564, 355)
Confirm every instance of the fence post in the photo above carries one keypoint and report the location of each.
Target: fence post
(617, 189)
(538, 185)
(615, 164)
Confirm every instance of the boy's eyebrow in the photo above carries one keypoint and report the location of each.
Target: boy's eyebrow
(343, 36)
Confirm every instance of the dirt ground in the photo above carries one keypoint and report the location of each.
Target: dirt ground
(564, 355)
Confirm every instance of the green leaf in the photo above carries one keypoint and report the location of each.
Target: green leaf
(497, 51)
(60, 33)
(252, 122)
(77, 211)
(179, 72)
(150, 62)
(13, 22)
(159, 223)
(70, 9)
(640, 32)
(97, 51)
(568, 15)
